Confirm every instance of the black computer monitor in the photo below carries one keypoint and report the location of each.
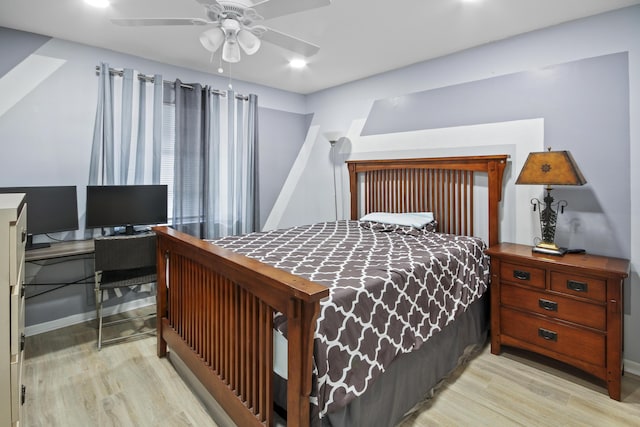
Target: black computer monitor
(50, 209)
(126, 206)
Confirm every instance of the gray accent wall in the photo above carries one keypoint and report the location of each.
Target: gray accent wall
(585, 107)
(17, 45)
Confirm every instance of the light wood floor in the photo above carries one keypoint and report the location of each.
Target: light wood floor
(69, 383)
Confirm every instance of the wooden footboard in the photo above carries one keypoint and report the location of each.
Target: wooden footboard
(215, 310)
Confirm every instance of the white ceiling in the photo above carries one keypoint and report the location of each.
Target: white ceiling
(357, 38)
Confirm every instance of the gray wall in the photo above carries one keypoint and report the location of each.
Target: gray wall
(563, 96)
(281, 136)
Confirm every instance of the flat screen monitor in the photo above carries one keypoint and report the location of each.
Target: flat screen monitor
(50, 209)
(126, 206)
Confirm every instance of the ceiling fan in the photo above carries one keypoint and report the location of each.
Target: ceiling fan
(234, 25)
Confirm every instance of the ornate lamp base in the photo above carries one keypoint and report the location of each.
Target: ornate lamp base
(549, 210)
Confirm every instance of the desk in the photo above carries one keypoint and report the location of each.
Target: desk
(61, 264)
(58, 284)
(60, 250)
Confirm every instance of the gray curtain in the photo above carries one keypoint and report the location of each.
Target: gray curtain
(116, 94)
(102, 148)
(189, 165)
(252, 212)
(215, 176)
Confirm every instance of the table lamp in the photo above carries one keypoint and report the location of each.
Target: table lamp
(550, 168)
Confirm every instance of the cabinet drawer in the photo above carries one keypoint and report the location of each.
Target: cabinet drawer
(574, 342)
(582, 286)
(523, 275)
(16, 388)
(17, 240)
(17, 319)
(556, 306)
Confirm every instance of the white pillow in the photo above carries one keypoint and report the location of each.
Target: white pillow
(411, 219)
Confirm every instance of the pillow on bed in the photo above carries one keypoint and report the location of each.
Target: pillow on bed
(410, 219)
(414, 223)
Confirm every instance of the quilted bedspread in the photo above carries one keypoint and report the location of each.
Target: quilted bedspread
(390, 290)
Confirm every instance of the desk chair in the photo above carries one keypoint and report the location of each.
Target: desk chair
(123, 262)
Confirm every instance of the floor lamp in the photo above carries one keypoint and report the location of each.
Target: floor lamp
(333, 137)
(550, 168)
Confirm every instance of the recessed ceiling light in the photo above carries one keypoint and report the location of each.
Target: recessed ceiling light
(297, 63)
(97, 3)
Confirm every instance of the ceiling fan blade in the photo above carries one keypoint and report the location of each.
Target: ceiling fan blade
(274, 8)
(290, 43)
(160, 21)
(209, 2)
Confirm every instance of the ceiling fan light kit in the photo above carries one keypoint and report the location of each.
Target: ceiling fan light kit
(248, 41)
(234, 26)
(231, 51)
(212, 39)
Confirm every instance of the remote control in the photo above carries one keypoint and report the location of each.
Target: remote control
(575, 251)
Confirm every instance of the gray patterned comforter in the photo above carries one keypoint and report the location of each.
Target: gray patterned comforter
(390, 290)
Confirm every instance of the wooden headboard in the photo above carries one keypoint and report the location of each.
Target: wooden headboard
(444, 186)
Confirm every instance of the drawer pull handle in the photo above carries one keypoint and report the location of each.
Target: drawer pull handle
(23, 339)
(23, 394)
(547, 334)
(23, 236)
(577, 286)
(521, 275)
(548, 305)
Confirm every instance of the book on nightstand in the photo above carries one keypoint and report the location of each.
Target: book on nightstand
(549, 251)
(558, 251)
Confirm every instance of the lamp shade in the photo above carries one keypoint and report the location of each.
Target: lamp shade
(212, 39)
(231, 51)
(333, 136)
(551, 168)
(248, 42)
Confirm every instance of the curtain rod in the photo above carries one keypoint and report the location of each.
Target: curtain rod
(151, 79)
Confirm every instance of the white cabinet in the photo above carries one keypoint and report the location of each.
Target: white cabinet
(13, 236)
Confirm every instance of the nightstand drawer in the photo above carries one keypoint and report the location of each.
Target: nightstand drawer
(574, 342)
(582, 313)
(523, 275)
(582, 286)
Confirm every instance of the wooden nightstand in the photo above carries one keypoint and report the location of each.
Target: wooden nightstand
(568, 308)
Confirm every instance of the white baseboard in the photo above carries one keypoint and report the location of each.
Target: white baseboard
(632, 367)
(84, 317)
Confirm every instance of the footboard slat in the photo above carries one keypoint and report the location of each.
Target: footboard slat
(216, 310)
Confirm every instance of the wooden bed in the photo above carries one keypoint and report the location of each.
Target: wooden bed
(215, 308)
